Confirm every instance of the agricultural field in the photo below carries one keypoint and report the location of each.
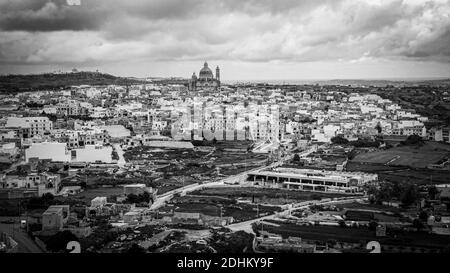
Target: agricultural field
(219, 242)
(178, 167)
(410, 156)
(218, 156)
(319, 233)
(264, 196)
(354, 166)
(213, 206)
(402, 174)
(90, 193)
(368, 206)
(418, 177)
(161, 182)
(358, 235)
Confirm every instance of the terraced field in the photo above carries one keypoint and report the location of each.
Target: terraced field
(411, 156)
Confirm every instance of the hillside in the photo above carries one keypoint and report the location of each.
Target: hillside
(22, 83)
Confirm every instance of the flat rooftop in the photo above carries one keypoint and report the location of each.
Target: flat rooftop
(135, 186)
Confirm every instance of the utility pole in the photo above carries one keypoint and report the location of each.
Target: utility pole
(26, 223)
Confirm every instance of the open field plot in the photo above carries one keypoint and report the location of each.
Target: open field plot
(95, 179)
(190, 166)
(185, 156)
(368, 206)
(357, 235)
(152, 154)
(237, 144)
(90, 193)
(161, 183)
(226, 242)
(382, 213)
(233, 170)
(354, 166)
(167, 187)
(417, 176)
(262, 195)
(412, 156)
(211, 205)
(320, 233)
(401, 174)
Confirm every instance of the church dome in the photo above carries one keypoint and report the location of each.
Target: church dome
(205, 72)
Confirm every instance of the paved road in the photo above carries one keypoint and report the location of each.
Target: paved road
(247, 225)
(121, 162)
(163, 198)
(26, 244)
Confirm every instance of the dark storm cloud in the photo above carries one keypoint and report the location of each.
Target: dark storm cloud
(53, 15)
(49, 31)
(275, 7)
(45, 15)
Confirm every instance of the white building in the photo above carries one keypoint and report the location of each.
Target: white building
(32, 125)
(312, 180)
(48, 150)
(136, 189)
(92, 153)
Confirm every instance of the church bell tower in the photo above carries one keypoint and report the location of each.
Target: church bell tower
(217, 73)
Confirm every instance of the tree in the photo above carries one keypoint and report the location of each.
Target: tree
(132, 198)
(418, 224)
(339, 140)
(54, 169)
(378, 128)
(40, 202)
(331, 242)
(135, 248)
(365, 143)
(373, 225)
(372, 190)
(413, 140)
(432, 192)
(58, 242)
(47, 198)
(423, 215)
(141, 198)
(296, 158)
(115, 155)
(146, 197)
(409, 195)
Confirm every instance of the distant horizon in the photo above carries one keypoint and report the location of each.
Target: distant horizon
(250, 40)
(393, 79)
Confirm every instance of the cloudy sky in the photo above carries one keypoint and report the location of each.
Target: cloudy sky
(249, 40)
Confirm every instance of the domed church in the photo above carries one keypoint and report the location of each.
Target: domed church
(205, 80)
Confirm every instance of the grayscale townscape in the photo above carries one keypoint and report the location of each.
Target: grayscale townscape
(224, 126)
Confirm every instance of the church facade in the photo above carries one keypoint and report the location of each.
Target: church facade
(205, 79)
